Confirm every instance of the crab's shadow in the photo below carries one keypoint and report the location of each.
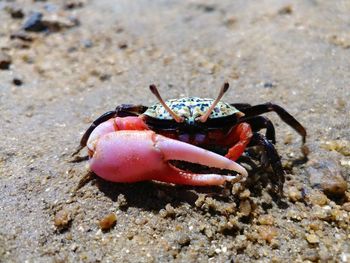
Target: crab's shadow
(154, 196)
(151, 195)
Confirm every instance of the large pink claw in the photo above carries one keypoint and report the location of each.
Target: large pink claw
(131, 156)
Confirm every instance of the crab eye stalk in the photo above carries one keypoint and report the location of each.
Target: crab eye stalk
(176, 117)
(223, 90)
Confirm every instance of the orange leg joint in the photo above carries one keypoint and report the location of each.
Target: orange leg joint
(239, 137)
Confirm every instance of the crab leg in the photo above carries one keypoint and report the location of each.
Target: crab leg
(244, 134)
(131, 156)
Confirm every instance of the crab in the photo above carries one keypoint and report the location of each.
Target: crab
(137, 143)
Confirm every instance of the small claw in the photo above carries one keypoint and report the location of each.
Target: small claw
(131, 156)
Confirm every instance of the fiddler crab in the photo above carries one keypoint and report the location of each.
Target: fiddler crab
(137, 143)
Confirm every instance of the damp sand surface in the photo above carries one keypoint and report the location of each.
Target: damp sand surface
(64, 63)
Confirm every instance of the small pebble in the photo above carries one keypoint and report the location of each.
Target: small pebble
(130, 235)
(345, 163)
(72, 4)
(200, 200)
(288, 139)
(294, 215)
(183, 239)
(37, 22)
(340, 103)
(347, 196)
(316, 225)
(73, 247)
(286, 10)
(34, 23)
(62, 219)
(230, 22)
(105, 77)
(346, 207)
(17, 81)
(327, 176)
(208, 232)
(170, 211)
(322, 213)
(211, 204)
(312, 238)
(228, 227)
(55, 22)
(267, 233)
(341, 41)
(206, 7)
(141, 221)
(311, 255)
(269, 85)
(5, 61)
(108, 222)
(245, 194)
(318, 198)
(294, 194)
(24, 36)
(123, 45)
(266, 220)
(345, 257)
(245, 207)
(121, 200)
(15, 12)
(228, 209)
(339, 215)
(340, 146)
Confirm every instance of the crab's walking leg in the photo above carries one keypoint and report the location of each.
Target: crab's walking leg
(104, 117)
(244, 133)
(123, 110)
(255, 110)
(273, 159)
(261, 122)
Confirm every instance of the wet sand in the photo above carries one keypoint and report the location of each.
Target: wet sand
(85, 57)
